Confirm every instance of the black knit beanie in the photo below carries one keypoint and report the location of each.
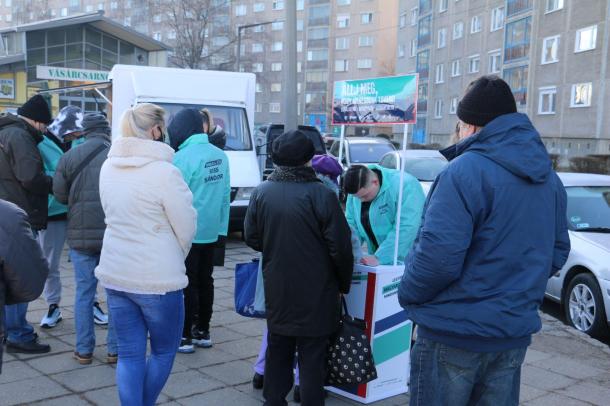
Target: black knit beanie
(292, 148)
(486, 98)
(36, 109)
(185, 123)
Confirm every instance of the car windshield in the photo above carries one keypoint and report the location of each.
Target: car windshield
(368, 153)
(589, 208)
(232, 120)
(425, 169)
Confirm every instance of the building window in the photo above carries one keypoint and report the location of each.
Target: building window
(64, 12)
(157, 36)
(259, 108)
(581, 95)
(114, 5)
(414, 16)
(517, 44)
(453, 105)
(257, 48)
(424, 31)
(299, 67)
(157, 18)
(517, 80)
(401, 50)
(547, 100)
(422, 99)
(497, 18)
(8, 3)
(257, 67)
(366, 41)
(300, 5)
(438, 108)
(458, 30)
(474, 64)
(514, 7)
(495, 60)
(366, 18)
(300, 25)
(259, 88)
(586, 39)
(442, 6)
(317, 55)
(277, 46)
(9, 18)
(276, 87)
(276, 66)
(402, 20)
(550, 47)
(299, 46)
(442, 38)
(341, 65)
(440, 73)
(455, 68)
(278, 5)
(344, 2)
(171, 34)
(365, 63)
(88, 9)
(277, 26)
(258, 7)
(342, 43)
(476, 25)
(127, 22)
(425, 6)
(100, 6)
(343, 21)
(422, 65)
(553, 5)
(258, 28)
(274, 107)
(413, 48)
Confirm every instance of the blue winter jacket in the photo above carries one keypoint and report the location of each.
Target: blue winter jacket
(494, 230)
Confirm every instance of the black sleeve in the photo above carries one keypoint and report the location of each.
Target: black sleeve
(252, 233)
(27, 166)
(25, 268)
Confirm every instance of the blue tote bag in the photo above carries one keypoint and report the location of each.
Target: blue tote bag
(249, 293)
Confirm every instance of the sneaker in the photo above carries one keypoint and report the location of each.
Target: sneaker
(52, 317)
(30, 347)
(112, 358)
(99, 317)
(186, 346)
(201, 338)
(83, 359)
(258, 381)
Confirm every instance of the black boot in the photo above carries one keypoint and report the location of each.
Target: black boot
(30, 347)
(258, 381)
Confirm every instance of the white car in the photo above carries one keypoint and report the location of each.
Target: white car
(424, 164)
(582, 286)
(361, 150)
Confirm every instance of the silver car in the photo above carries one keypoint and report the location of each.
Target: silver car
(582, 286)
(423, 164)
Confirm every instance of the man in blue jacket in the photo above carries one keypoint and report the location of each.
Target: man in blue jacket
(494, 230)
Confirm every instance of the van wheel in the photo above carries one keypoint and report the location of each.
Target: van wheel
(584, 306)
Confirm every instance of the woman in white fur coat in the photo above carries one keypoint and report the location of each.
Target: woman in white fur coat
(150, 225)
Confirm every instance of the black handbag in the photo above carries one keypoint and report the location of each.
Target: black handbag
(350, 359)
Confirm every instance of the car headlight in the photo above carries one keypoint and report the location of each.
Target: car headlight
(244, 193)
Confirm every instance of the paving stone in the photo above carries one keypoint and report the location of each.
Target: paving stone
(250, 328)
(543, 379)
(73, 400)
(553, 399)
(29, 391)
(183, 384)
(597, 395)
(246, 348)
(58, 363)
(204, 357)
(91, 378)
(106, 397)
(568, 367)
(17, 371)
(231, 373)
(225, 396)
(528, 393)
(223, 334)
(226, 318)
(533, 355)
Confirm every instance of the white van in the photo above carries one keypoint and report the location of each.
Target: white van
(228, 95)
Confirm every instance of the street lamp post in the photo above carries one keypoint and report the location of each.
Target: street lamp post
(239, 30)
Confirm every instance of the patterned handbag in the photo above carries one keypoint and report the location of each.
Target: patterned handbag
(350, 359)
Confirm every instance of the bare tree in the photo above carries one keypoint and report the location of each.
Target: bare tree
(204, 38)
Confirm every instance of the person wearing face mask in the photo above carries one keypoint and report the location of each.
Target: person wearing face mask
(24, 182)
(371, 211)
(205, 169)
(76, 183)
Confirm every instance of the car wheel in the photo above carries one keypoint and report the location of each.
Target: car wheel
(584, 306)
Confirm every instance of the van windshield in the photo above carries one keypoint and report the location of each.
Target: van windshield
(232, 120)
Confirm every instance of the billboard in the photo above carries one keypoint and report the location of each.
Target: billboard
(387, 100)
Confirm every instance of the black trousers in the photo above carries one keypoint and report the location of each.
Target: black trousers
(279, 363)
(199, 294)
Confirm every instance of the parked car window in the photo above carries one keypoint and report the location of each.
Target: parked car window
(388, 161)
(425, 169)
(367, 153)
(588, 208)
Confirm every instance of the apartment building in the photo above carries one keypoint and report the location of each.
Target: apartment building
(336, 40)
(553, 53)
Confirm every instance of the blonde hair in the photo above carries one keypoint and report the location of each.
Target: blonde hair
(208, 119)
(138, 120)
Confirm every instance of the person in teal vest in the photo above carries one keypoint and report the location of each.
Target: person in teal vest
(66, 126)
(371, 210)
(205, 169)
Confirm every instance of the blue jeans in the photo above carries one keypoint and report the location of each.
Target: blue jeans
(17, 328)
(443, 375)
(86, 285)
(141, 379)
